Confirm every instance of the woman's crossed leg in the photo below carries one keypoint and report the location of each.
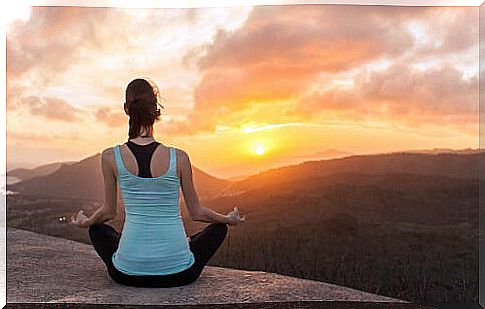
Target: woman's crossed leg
(204, 245)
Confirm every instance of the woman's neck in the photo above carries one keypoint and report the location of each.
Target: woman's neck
(142, 141)
(146, 134)
(144, 137)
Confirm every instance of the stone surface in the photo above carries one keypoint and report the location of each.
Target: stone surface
(43, 268)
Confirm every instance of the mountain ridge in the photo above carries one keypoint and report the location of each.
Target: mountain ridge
(454, 165)
(69, 180)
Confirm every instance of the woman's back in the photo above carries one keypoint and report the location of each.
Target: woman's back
(153, 249)
(153, 241)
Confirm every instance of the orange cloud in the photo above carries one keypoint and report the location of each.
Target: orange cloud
(14, 90)
(48, 40)
(280, 51)
(437, 95)
(52, 108)
(110, 117)
(90, 54)
(257, 72)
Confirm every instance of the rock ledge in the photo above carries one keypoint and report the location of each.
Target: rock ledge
(47, 269)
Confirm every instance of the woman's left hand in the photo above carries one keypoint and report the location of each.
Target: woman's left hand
(79, 219)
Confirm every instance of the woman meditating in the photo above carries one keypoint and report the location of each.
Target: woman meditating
(153, 249)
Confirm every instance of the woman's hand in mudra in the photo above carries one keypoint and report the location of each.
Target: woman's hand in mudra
(234, 217)
(79, 219)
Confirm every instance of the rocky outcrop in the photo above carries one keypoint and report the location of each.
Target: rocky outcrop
(46, 269)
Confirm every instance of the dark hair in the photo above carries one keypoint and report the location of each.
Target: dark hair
(142, 97)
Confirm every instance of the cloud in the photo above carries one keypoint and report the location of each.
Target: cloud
(435, 95)
(89, 54)
(110, 117)
(452, 30)
(48, 41)
(439, 90)
(250, 73)
(280, 51)
(73, 47)
(13, 92)
(63, 48)
(52, 108)
(43, 49)
(274, 54)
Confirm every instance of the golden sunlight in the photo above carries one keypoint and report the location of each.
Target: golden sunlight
(259, 150)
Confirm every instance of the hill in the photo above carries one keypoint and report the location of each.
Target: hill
(370, 198)
(84, 180)
(454, 165)
(43, 170)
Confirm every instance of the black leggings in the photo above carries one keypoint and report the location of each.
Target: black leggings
(203, 245)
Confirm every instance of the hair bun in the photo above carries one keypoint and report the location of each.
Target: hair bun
(142, 108)
(142, 101)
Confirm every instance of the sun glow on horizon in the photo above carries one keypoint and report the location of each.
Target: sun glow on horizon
(259, 150)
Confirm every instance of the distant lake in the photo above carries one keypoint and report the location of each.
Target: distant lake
(11, 180)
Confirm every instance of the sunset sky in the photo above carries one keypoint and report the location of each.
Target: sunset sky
(247, 88)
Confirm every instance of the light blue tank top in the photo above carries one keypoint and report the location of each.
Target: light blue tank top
(153, 241)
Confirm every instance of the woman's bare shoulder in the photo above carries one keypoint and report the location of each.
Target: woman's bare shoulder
(180, 152)
(109, 152)
(108, 157)
(182, 155)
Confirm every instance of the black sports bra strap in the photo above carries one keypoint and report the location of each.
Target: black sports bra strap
(143, 155)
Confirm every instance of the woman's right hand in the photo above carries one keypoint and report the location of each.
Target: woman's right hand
(234, 217)
(79, 219)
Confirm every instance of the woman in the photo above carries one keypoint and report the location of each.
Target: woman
(152, 250)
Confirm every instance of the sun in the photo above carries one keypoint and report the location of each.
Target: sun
(259, 150)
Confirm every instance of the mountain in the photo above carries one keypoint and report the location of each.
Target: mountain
(43, 170)
(454, 165)
(239, 177)
(418, 188)
(446, 150)
(328, 154)
(207, 185)
(84, 180)
(418, 199)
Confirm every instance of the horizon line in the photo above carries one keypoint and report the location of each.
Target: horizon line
(304, 159)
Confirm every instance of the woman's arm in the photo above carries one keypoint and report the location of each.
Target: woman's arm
(108, 210)
(196, 211)
(99, 216)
